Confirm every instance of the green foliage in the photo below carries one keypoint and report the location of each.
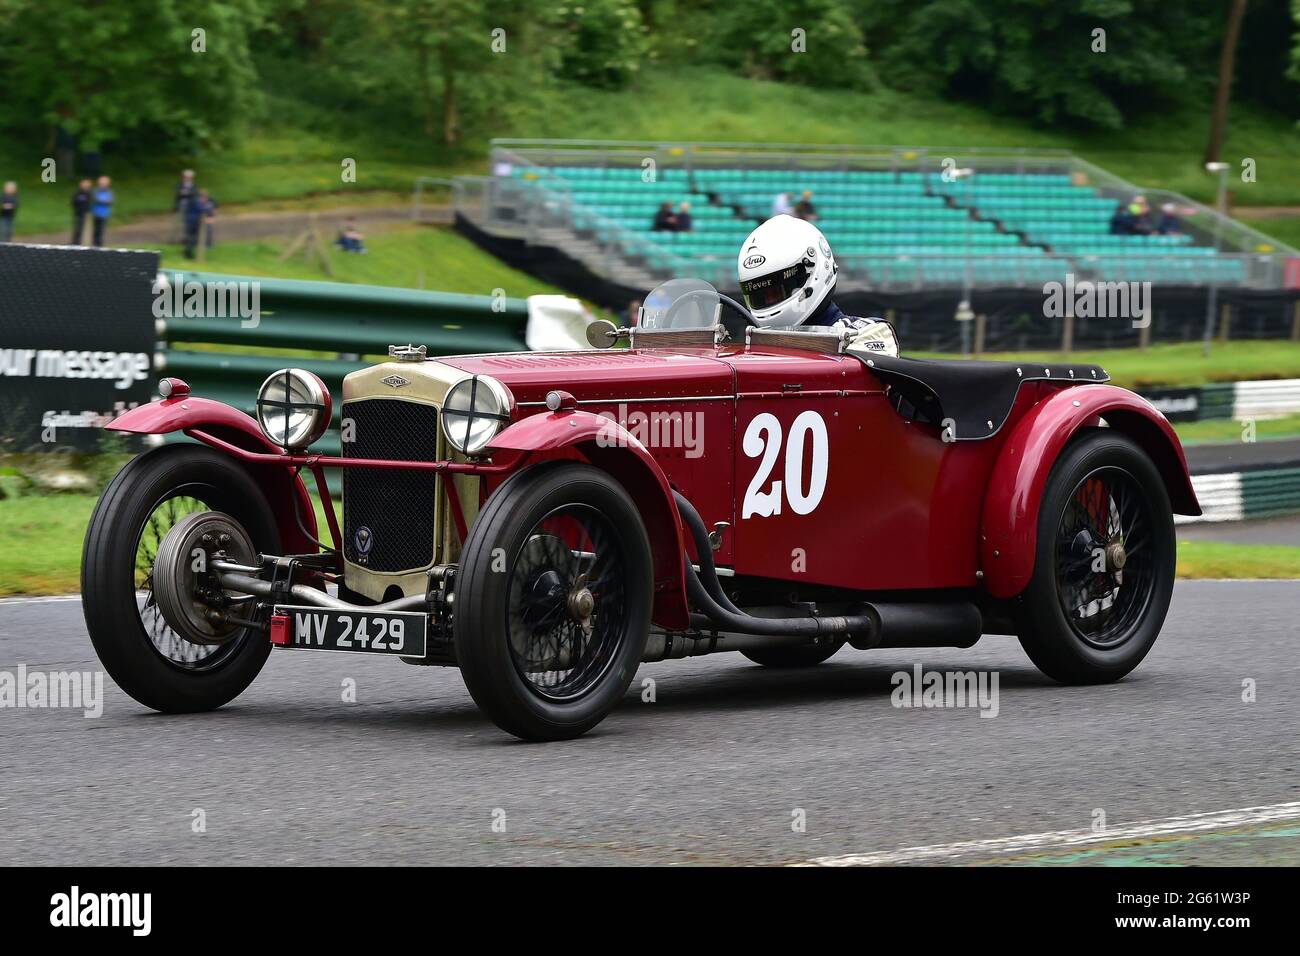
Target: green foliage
(605, 42)
(1043, 59)
(815, 42)
(104, 72)
(1294, 71)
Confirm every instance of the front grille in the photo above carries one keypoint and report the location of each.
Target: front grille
(389, 515)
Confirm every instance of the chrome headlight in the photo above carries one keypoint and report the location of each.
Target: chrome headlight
(476, 409)
(293, 408)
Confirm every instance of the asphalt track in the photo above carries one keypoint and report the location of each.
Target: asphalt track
(713, 771)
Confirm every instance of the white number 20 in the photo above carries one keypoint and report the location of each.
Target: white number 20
(763, 437)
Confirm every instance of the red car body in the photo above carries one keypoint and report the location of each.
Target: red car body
(901, 509)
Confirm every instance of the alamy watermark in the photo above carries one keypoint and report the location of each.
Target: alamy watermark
(1086, 299)
(674, 429)
(82, 690)
(191, 298)
(938, 689)
(74, 909)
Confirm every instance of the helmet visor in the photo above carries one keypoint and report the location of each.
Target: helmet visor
(768, 290)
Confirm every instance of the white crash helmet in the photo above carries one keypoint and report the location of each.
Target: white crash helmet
(786, 271)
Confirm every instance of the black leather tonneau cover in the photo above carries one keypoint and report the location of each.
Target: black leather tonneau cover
(976, 396)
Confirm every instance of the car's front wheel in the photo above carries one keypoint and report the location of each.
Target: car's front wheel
(553, 600)
(170, 487)
(1104, 563)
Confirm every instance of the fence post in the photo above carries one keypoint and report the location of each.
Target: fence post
(1144, 332)
(1225, 320)
(1067, 333)
(1295, 321)
(980, 320)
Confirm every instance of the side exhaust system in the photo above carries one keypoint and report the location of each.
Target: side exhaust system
(946, 624)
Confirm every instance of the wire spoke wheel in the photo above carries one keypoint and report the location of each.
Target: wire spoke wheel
(167, 643)
(135, 546)
(1104, 562)
(565, 611)
(553, 600)
(1104, 577)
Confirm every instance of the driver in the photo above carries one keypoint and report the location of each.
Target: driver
(787, 273)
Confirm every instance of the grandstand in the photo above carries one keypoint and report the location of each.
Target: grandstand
(899, 218)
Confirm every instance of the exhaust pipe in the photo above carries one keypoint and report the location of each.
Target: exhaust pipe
(939, 624)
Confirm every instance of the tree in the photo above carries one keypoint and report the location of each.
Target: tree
(483, 59)
(816, 42)
(605, 42)
(1294, 71)
(1043, 58)
(103, 72)
(1223, 93)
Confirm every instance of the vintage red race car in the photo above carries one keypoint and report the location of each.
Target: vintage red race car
(547, 521)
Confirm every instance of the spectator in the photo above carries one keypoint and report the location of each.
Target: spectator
(101, 207)
(1169, 223)
(781, 205)
(186, 189)
(198, 212)
(1122, 221)
(804, 208)
(350, 238)
(1141, 210)
(684, 217)
(80, 207)
(8, 209)
(665, 221)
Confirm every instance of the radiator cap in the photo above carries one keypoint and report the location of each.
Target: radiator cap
(408, 353)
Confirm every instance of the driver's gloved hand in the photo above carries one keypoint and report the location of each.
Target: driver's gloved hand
(870, 335)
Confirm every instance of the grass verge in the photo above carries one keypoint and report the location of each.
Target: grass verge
(1219, 430)
(407, 255)
(1218, 559)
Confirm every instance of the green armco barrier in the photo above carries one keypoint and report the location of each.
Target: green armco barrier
(350, 298)
(338, 317)
(1217, 399)
(1269, 492)
(360, 336)
(248, 370)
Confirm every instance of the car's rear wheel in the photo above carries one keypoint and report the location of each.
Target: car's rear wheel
(1104, 563)
(553, 600)
(142, 652)
(805, 655)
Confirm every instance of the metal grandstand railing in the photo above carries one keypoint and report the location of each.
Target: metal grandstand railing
(540, 209)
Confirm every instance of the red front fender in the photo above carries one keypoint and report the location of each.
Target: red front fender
(607, 445)
(1009, 524)
(230, 424)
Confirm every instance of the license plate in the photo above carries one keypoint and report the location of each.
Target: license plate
(396, 633)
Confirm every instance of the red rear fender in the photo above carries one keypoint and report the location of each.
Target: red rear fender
(1009, 524)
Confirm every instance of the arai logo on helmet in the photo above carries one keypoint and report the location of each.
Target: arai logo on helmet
(753, 262)
(364, 540)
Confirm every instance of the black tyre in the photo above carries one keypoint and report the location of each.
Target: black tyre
(140, 651)
(553, 601)
(806, 655)
(1104, 563)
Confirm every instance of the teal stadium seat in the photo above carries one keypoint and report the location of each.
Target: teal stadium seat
(907, 227)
